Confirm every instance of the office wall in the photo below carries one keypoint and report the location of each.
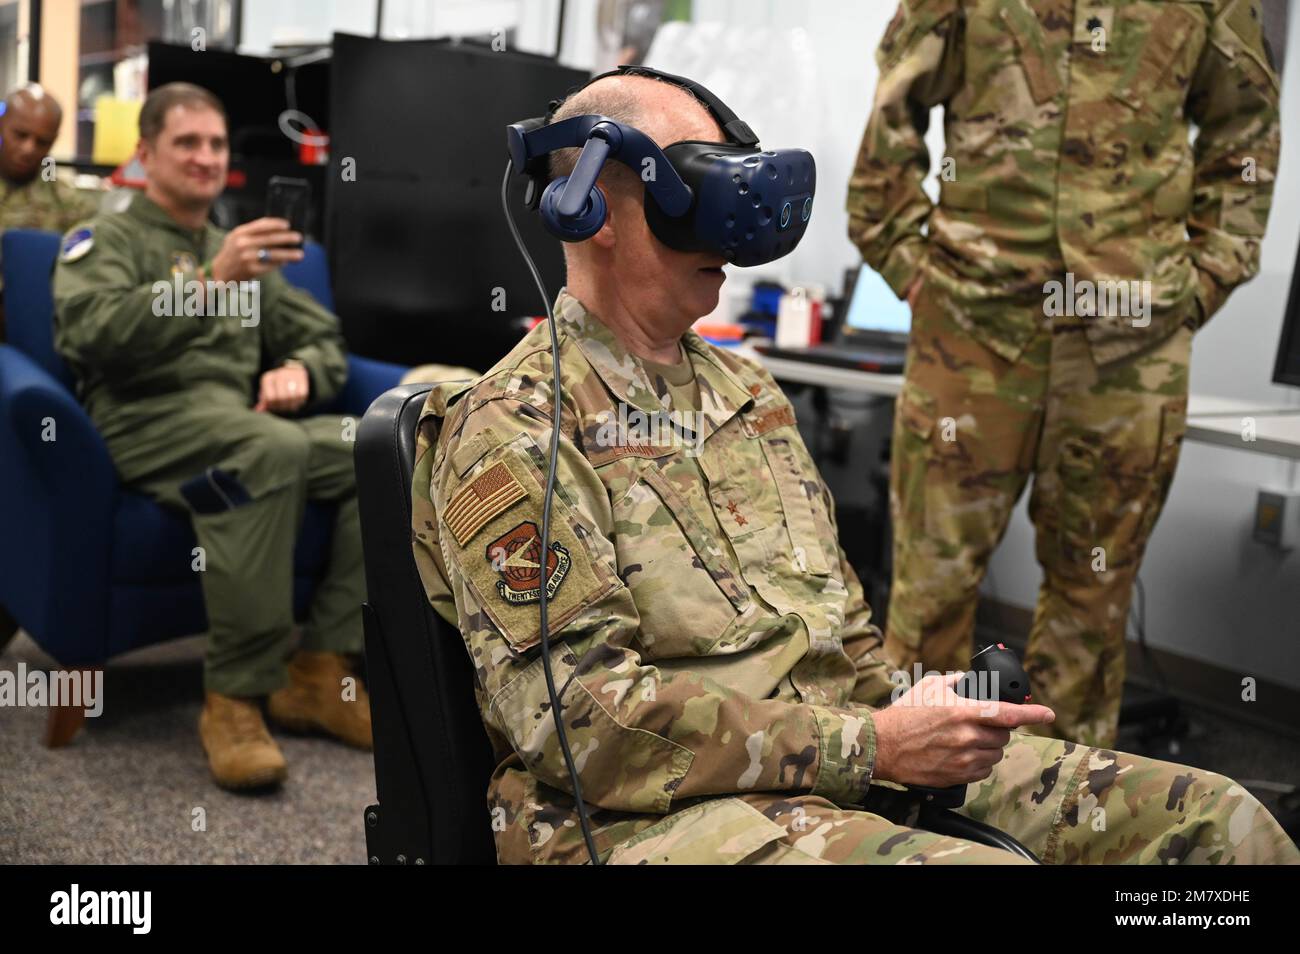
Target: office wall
(268, 23)
(1213, 594)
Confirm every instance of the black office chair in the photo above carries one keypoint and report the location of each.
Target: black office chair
(432, 755)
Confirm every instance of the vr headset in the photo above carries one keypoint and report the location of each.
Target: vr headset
(730, 198)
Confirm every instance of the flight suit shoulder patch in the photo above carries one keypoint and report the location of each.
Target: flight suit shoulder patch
(77, 244)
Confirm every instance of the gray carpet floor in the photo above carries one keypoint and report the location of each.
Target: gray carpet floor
(127, 788)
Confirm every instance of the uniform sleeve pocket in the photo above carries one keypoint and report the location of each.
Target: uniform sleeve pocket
(1244, 212)
(912, 20)
(493, 521)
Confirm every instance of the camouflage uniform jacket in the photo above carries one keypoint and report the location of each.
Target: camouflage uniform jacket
(49, 204)
(709, 637)
(1067, 128)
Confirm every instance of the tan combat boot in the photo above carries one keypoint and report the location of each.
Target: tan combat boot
(241, 752)
(317, 699)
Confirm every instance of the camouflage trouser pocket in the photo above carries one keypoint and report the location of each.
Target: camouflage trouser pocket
(1106, 495)
(913, 432)
(721, 831)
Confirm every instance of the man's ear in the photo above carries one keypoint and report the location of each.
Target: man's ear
(607, 237)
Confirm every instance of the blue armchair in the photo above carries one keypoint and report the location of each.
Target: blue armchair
(87, 567)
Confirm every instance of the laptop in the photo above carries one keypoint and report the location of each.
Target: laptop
(872, 336)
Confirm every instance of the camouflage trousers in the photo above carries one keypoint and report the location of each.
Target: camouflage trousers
(1067, 803)
(1101, 444)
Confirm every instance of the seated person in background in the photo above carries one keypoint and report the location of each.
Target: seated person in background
(31, 197)
(724, 693)
(191, 419)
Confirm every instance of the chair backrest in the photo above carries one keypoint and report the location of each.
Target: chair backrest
(29, 256)
(312, 274)
(432, 755)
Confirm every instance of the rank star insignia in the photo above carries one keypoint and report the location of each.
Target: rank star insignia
(516, 556)
(735, 512)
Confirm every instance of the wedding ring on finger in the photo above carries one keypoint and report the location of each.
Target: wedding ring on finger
(263, 255)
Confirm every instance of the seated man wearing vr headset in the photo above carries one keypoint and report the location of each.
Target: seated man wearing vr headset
(723, 695)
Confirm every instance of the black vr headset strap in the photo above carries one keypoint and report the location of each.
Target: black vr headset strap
(735, 128)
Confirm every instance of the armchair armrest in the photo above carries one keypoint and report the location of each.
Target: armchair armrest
(367, 379)
(58, 489)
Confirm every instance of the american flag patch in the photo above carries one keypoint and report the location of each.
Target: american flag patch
(487, 495)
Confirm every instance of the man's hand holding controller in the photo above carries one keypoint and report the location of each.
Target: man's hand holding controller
(933, 736)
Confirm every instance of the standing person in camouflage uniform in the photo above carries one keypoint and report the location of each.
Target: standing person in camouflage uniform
(29, 197)
(724, 693)
(200, 409)
(1078, 243)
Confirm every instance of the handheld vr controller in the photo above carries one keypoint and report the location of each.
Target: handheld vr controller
(995, 674)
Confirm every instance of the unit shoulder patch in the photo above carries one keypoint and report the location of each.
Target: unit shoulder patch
(516, 555)
(76, 245)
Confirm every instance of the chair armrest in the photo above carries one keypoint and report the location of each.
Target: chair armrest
(367, 379)
(57, 498)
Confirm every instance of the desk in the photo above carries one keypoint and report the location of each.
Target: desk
(805, 372)
(1276, 434)
(1210, 419)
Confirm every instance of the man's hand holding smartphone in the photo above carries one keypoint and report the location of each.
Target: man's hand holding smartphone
(255, 248)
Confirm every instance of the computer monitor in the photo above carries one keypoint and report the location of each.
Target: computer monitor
(873, 306)
(1287, 368)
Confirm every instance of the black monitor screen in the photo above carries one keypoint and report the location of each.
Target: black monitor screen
(423, 263)
(1287, 370)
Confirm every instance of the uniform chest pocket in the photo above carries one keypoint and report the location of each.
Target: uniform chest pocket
(802, 508)
(685, 591)
(1022, 25)
(1160, 42)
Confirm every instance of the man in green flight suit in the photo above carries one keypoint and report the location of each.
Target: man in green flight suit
(1079, 242)
(723, 688)
(167, 322)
